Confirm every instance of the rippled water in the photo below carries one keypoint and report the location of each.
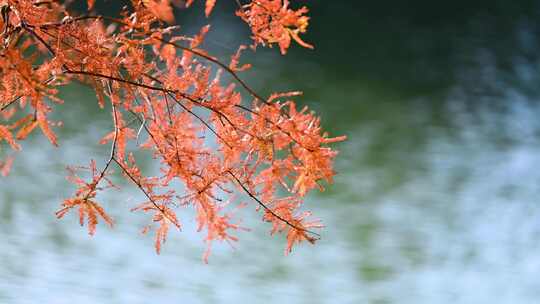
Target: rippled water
(436, 201)
(449, 218)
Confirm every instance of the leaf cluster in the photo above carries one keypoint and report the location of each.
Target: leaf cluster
(167, 96)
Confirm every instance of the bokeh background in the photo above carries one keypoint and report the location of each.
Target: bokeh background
(436, 200)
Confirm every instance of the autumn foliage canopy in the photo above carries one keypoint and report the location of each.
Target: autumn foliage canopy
(213, 138)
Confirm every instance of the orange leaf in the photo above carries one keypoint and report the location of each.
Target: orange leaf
(161, 9)
(161, 234)
(98, 88)
(24, 131)
(7, 136)
(44, 125)
(5, 166)
(102, 213)
(209, 7)
(21, 121)
(87, 208)
(90, 4)
(198, 39)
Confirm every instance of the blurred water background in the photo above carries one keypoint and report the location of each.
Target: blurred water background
(436, 200)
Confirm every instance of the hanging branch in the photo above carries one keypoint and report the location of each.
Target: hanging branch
(163, 83)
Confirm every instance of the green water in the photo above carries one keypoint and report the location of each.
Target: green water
(435, 201)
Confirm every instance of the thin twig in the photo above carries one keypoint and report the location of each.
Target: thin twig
(265, 207)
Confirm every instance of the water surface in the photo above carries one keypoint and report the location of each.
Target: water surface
(436, 200)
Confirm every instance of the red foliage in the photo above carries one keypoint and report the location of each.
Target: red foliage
(162, 81)
(272, 21)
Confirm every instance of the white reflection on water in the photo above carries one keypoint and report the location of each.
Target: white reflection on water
(463, 229)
